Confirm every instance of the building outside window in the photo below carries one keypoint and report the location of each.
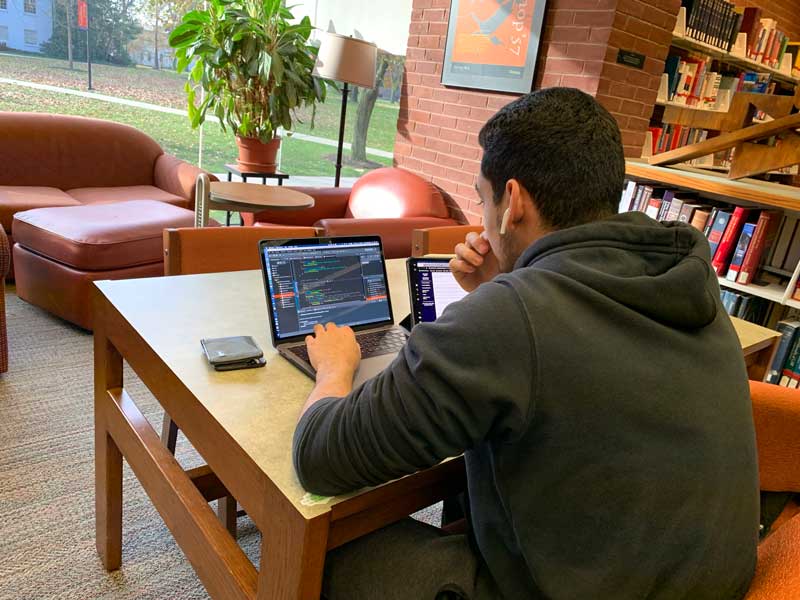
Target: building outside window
(30, 7)
(31, 39)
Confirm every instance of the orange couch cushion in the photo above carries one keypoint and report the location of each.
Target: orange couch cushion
(778, 570)
(98, 195)
(100, 236)
(394, 193)
(14, 199)
(73, 152)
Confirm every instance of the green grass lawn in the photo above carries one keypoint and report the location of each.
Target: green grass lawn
(165, 88)
(174, 133)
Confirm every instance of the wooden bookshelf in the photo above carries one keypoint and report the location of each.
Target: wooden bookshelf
(688, 43)
(767, 193)
(762, 193)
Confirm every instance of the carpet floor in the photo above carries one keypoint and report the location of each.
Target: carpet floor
(47, 541)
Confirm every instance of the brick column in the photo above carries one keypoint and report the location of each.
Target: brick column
(437, 126)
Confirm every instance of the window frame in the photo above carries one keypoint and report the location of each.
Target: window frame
(25, 33)
(28, 3)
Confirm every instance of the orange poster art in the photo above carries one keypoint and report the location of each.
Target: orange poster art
(493, 32)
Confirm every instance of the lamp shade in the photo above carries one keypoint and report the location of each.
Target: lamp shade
(347, 59)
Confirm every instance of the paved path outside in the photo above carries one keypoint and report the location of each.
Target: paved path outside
(168, 110)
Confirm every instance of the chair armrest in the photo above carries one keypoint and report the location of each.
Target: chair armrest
(440, 240)
(776, 413)
(177, 177)
(395, 233)
(329, 203)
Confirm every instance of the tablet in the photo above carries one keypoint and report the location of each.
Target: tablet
(432, 287)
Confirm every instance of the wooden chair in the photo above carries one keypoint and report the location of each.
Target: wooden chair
(439, 240)
(190, 251)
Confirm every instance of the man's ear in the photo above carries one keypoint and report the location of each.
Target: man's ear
(516, 201)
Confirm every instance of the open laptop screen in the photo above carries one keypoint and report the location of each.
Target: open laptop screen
(325, 280)
(432, 288)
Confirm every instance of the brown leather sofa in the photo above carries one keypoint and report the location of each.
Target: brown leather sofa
(388, 202)
(58, 160)
(5, 261)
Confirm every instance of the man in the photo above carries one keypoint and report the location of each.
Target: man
(591, 378)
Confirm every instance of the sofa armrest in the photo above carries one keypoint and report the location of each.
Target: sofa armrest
(776, 413)
(329, 203)
(177, 177)
(395, 233)
(5, 255)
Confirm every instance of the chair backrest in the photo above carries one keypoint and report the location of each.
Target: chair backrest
(190, 250)
(439, 240)
(393, 193)
(69, 152)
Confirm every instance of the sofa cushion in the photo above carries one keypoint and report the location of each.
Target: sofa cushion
(14, 199)
(100, 236)
(98, 195)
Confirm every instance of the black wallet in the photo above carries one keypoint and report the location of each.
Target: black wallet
(229, 353)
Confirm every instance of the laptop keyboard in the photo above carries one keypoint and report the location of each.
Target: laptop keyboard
(373, 343)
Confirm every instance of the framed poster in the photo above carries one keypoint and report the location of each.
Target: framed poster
(493, 44)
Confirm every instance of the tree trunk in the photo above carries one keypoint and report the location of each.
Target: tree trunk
(68, 5)
(155, 63)
(366, 104)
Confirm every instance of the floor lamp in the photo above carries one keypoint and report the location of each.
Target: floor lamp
(350, 61)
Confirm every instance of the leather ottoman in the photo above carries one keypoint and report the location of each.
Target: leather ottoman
(59, 252)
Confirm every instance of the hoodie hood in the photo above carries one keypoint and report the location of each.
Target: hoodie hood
(660, 270)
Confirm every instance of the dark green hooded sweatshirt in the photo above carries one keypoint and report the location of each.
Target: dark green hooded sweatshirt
(599, 394)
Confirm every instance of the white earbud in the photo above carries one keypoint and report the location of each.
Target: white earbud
(504, 222)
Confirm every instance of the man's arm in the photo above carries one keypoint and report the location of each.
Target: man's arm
(458, 381)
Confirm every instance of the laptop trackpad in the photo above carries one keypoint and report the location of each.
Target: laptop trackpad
(370, 367)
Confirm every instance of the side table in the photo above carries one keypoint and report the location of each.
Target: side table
(243, 197)
(233, 169)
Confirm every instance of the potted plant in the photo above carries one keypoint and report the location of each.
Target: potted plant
(255, 65)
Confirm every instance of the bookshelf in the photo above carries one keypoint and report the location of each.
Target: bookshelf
(744, 191)
(730, 58)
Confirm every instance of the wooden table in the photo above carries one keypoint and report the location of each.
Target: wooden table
(758, 346)
(241, 422)
(245, 197)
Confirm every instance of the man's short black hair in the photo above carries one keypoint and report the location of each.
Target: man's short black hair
(564, 148)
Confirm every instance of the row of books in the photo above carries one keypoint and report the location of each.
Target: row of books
(718, 23)
(745, 306)
(670, 136)
(698, 80)
(738, 237)
(785, 368)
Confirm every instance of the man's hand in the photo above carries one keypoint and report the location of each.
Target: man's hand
(333, 350)
(475, 263)
(335, 354)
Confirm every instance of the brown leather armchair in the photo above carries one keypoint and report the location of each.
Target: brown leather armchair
(388, 202)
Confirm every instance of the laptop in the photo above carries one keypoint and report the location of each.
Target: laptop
(431, 287)
(336, 279)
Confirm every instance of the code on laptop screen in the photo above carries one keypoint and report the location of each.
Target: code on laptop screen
(342, 283)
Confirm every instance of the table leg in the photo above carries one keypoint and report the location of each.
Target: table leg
(108, 459)
(226, 511)
(280, 181)
(230, 176)
(293, 557)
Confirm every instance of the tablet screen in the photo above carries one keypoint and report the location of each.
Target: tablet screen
(432, 288)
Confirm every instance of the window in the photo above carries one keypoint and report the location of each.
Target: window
(30, 8)
(3, 34)
(4, 6)
(31, 39)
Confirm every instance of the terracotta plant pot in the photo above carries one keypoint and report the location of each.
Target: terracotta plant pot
(257, 156)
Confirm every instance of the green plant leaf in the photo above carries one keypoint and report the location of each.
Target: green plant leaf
(197, 16)
(183, 35)
(278, 68)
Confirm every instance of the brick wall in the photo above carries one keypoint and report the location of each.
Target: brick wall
(786, 12)
(437, 126)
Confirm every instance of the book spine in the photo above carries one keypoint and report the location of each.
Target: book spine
(729, 238)
(788, 331)
(763, 238)
(791, 364)
(741, 248)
